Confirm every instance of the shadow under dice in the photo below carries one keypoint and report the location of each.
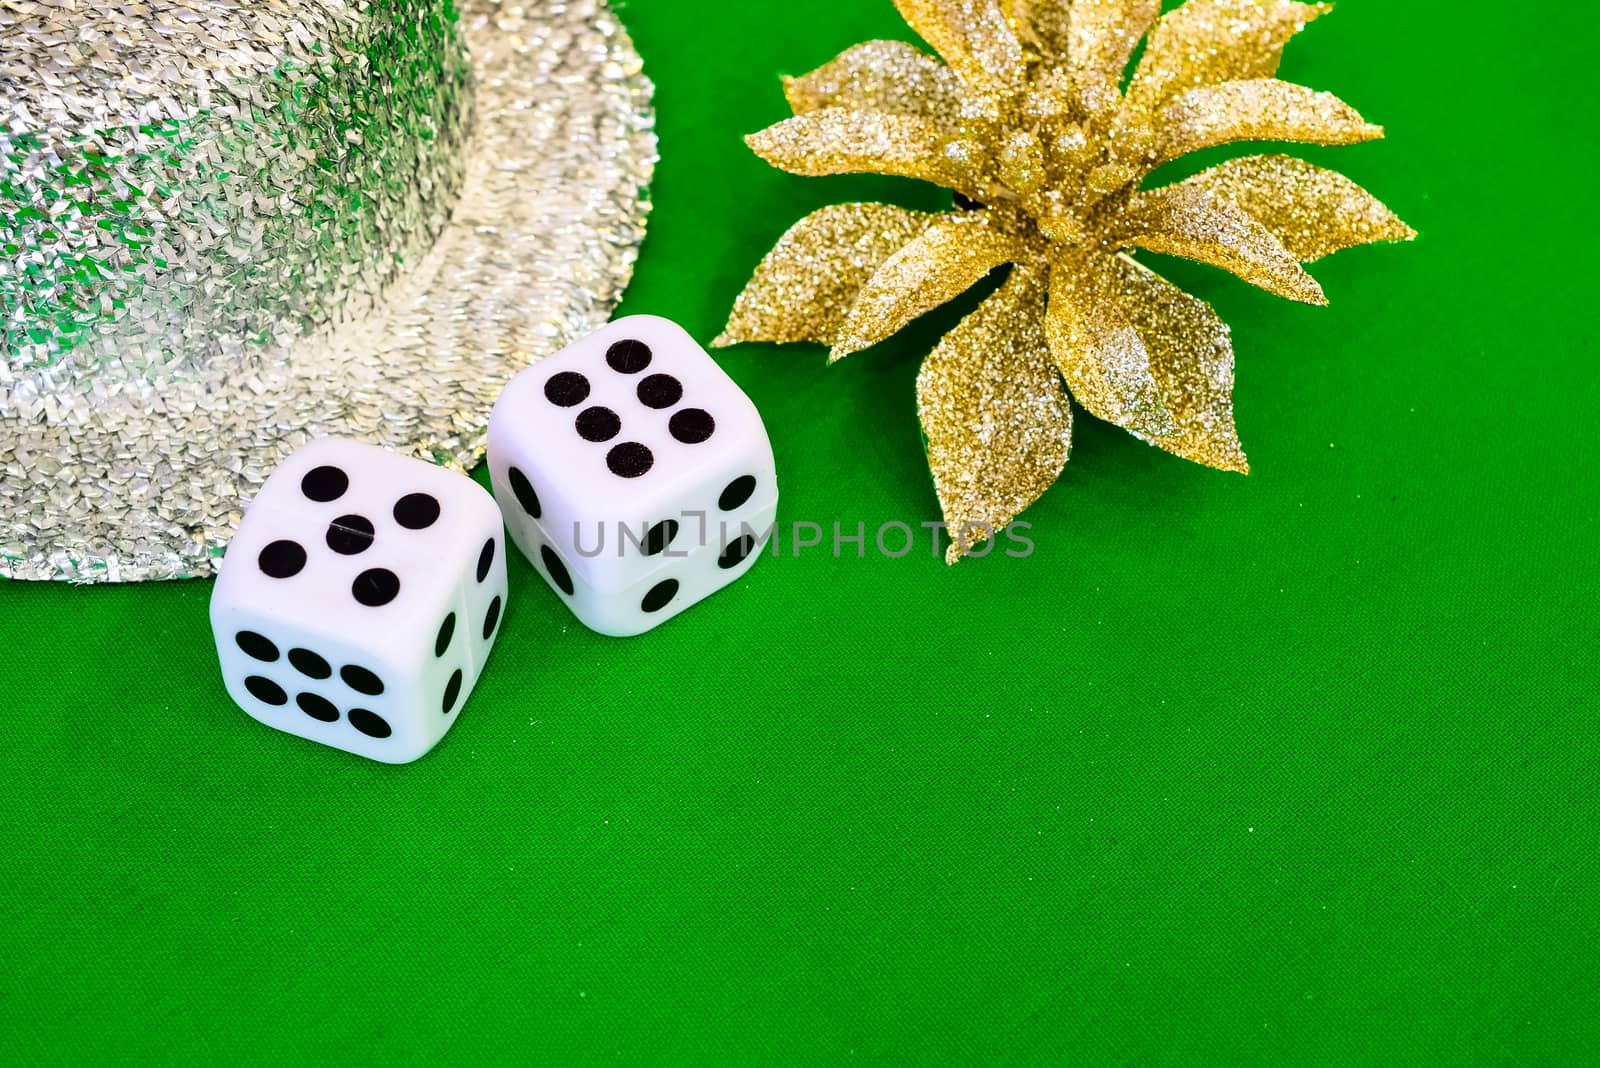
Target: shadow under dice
(633, 473)
(360, 598)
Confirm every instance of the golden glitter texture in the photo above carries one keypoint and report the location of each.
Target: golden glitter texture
(1026, 120)
(998, 426)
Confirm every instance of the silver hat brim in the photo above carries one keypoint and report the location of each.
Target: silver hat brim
(116, 484)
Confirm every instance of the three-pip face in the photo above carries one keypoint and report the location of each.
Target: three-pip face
(633, 473)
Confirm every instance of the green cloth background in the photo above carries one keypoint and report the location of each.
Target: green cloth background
(1296, 768)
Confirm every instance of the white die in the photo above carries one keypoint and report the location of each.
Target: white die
(633, 473)
(360, 598)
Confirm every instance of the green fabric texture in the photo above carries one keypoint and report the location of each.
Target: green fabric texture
(1294, 768)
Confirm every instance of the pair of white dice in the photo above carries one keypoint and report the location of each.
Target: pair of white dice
(363, 592)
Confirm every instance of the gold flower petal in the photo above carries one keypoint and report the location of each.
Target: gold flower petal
(1101, 37)
(1099, 352)
(1260, 110)
(973, 36)
(1183, 220)
(805, 286)
(1315, 212)
(1207, 42)
(1045, 24)
(947, 260)
(998, 424)
(887, 76)
(840, 141)
(1191, 356)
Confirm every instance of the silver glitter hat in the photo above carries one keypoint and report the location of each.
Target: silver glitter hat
(228, 227)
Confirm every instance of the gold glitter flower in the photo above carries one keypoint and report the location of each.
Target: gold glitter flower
(1027, 121)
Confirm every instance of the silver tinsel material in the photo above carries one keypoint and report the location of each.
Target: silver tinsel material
(229, 227)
